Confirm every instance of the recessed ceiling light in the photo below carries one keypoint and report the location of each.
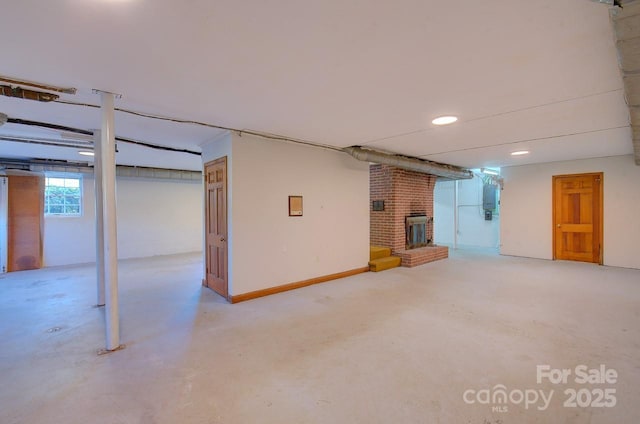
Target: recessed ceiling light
(444, 120)
(85, 153)
(520, 152)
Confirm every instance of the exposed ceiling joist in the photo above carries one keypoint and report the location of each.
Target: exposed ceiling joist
(48, 87)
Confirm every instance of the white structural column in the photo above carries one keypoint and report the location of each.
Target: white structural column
(110, 242)
(455, 214)
(97, 173)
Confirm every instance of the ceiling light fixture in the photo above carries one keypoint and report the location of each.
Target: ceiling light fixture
(489, 171)
(520, 153)
(444, 120)
(86, 153)
(67, 135)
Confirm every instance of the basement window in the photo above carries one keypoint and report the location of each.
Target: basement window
(63, 195)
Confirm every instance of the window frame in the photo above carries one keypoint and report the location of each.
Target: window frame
(64, 176)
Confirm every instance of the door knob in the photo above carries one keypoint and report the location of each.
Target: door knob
(558, 225)
(223, 239)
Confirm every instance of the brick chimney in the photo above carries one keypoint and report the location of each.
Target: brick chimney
(404, 193)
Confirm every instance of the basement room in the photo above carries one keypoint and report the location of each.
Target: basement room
(320, 212)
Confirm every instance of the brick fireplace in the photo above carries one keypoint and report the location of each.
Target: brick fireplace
(399, 199)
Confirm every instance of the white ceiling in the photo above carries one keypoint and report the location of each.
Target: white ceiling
(540, 75)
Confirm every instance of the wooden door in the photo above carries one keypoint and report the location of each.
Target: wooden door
(216, 226)
(577, 217)
(25, 198)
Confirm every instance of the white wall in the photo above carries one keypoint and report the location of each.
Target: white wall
(158, 217)
(267, 247)
(473, 230)
(155, 217)
(527, 215)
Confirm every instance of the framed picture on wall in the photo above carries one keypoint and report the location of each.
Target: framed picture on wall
(295, 205)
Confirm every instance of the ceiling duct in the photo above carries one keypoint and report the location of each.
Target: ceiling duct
(409, 163)
(57, 142)
(626, 28)
(21, 93)
(51, 165)
(609, 2)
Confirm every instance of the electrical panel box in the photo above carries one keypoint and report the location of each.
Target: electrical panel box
(489, 197)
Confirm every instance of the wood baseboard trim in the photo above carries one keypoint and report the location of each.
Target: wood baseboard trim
(292, 286)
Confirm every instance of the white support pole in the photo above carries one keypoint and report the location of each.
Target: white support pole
(4, 227)
(108, 168)
(455, 214)
(97, 173)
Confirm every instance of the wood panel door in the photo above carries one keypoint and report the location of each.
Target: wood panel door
(25, 197)
(216, 226)
(577, 217)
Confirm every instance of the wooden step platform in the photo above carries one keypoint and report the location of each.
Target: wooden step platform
(381, 264)
(378, 252)
(380, 259)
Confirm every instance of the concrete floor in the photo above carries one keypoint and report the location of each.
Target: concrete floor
(400, 346)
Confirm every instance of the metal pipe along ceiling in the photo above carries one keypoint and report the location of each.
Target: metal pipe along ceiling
(409, 163)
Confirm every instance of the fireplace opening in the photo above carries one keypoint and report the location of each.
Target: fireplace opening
(419, 231)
